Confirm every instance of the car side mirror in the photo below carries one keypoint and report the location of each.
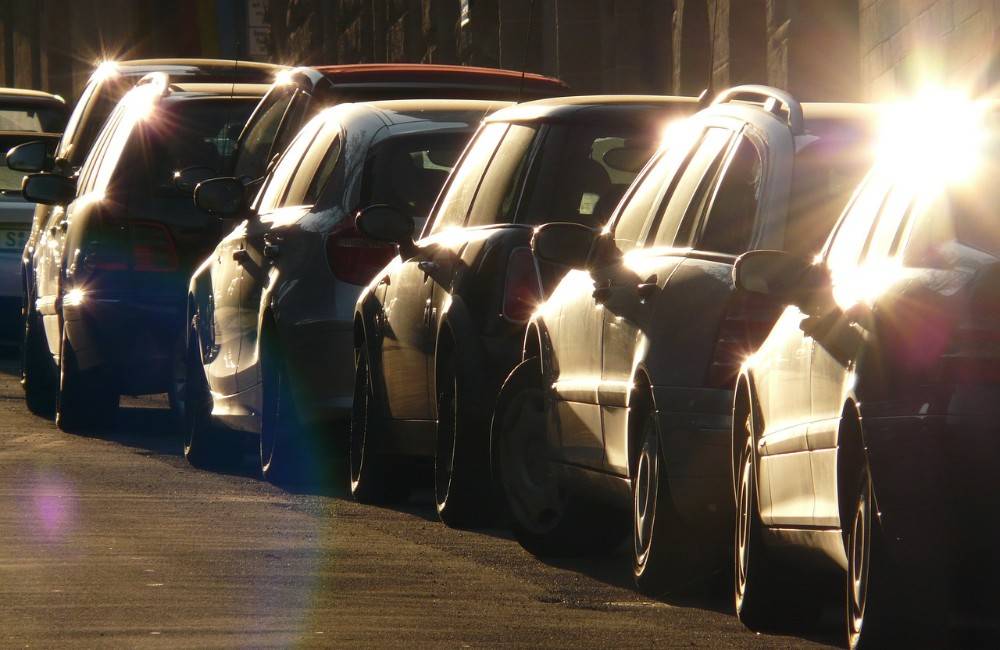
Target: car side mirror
(563, 243)
(30, 157)
(188, 178)
(221, 197)
(387, 224)
(48, 189)
(790, 279)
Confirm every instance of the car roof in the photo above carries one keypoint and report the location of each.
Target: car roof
(210, 69)
(427, 73)
(562, 108)
(26, 93)
(398, 111)
(221, 90)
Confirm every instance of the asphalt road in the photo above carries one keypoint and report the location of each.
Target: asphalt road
(113, 540)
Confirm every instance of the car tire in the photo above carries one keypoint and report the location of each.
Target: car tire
(547, 519)
(871, 612)
(662, 558)
(768, 596)
(281, 430)
(374, 477)
(39, 373)
(85, 400)
(462, 487)
(202, 441)
(178, 365)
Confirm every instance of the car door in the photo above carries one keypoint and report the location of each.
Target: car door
(280, 204)
(408, 340)
(638, 298)
(857, 280)
(223, 313)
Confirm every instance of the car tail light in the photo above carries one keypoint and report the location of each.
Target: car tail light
(352, 257)
(746, 323)
(522, 290)
(153, 248)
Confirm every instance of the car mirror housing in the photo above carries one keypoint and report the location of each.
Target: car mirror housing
(387, 224)
(30, 157)
(565, 244)
(188, 178)
(48, 189)
(221, 197)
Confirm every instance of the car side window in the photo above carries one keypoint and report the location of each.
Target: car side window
(496, 198)
(93, 163)
(733, 212)
(885, 237)
(325, 148)
(69, 133)
(851, 234)
(275, 190)
(458, 195)
(681, 196)
(252, 158)
(635, 214)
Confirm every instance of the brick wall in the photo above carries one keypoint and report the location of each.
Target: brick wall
(905, 43)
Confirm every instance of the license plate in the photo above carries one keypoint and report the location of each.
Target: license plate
(12, 240)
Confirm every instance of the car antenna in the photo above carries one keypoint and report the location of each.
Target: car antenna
(524, 59)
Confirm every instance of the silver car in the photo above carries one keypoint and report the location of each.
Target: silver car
(270, 312)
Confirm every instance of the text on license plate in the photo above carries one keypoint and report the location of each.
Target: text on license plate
(13, 239)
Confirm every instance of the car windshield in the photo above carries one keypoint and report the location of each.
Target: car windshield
(33, 119)
(826, 171)
(582, 171)
(407, 172)
(10, 180)
(200, 132)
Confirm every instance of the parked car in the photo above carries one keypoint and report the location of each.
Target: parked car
(270, 311)
(112, 263)
(618, 415)
(25, 115)
(864, 432)
(441, 327)
(299, 94)
(107, 85)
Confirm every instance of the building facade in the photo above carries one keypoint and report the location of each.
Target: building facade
(817, 49)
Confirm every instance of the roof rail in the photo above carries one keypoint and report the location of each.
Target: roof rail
(158, 80)
(774, 100)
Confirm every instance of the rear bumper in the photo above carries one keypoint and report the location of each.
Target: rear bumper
(133, 340)
(696, 428)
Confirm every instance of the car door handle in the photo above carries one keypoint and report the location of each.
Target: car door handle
(427, 266)
(271, 250)
(647, 288)
(240, 255)
(602, 291)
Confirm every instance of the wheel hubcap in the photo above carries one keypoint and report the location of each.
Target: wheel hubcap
(860, 552)
(744, 496)
(646, 493)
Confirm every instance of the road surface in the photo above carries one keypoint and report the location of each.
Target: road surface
(113, 540)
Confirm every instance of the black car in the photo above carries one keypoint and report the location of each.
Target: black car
(438, 330)
(113, 261)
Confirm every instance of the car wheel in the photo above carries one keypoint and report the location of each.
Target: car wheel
(546, 518)
(178, 380)
(461, 459)
(768, 596)
(374, 478)
(39, 373)
(202, 441)
(870, 611)
(85, 400)
(281, 431)
(661, 559)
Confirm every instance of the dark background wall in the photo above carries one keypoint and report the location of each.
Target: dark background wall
(818, 49)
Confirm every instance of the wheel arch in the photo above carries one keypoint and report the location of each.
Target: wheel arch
(641, 401)
(852, 456)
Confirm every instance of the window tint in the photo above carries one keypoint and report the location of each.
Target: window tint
(582, 170)
(103, 102)
(889, 223)
(95, 160)
(709, 153)
(635, 214)
(731, 218)
(454, 206)
(32, 119)
(948, 221)
(252, 158)
(497, 196)
(325, 170)
(407, 171)
(325, 143)
(76, 116)
(852, 231)
(276, 186)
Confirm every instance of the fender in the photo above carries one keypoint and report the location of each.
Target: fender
(367, 316)
(456, 319)
(199, 298)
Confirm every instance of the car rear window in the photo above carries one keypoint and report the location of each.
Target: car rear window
(582, 171)
(408, 171)
(826, 171)
(32, 119)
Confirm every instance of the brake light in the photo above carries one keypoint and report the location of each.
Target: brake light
(153, 248)
(522, 287)
(747, 322)
(352, 257)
